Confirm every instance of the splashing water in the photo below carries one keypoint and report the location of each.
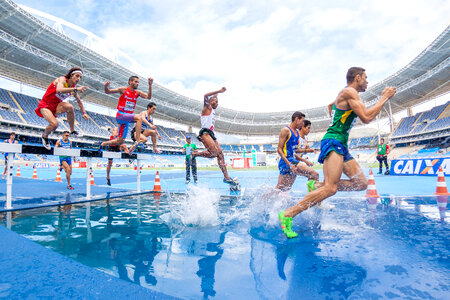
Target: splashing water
(197, 208)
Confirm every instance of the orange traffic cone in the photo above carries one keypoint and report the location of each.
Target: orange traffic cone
(92, 178)
(157, 186)
(371, 189)
(441, 186)
(34, 173)
(58, 176)
(18, 171)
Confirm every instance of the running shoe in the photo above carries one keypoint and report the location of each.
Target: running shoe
(195, 180)
(46, 143)
(311, 185)
(76, 134)
(232, 181)
(69, 187)
(187, 181)
(108, 181)
(286, 225)
(140, 146)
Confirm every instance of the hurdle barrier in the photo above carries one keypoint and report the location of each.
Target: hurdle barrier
(86, 153)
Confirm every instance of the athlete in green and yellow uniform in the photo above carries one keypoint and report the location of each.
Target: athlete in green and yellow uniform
(334, 150)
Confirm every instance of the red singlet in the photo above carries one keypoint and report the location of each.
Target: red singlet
(51, 99)
(127, 102)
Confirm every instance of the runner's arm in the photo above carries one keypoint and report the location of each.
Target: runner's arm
(80, 104)
(330, 107)
(367, 114)
(60, 88)
(58, 144)
(120, 90)
(281, 141)
(149, 94)
(207, 95)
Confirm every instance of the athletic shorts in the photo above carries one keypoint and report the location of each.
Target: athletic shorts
(44, 104)
(285, 169)
(124, 120)
(208, 131)
(68, 160)
(133, 131)
(328, 145)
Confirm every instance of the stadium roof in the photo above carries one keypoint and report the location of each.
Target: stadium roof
(34, 53)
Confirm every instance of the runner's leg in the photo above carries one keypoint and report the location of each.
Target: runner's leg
(332, 168)
(51, 119)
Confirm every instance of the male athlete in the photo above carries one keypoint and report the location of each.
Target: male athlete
(11, 140)
(207, 137)
(114, 148)
(65, 161)
(303, 148)
(334, 150)
(289, 164)
(147, 128)
(125, 108)
(52, 103)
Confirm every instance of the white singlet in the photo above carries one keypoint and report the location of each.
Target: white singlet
(207, 121)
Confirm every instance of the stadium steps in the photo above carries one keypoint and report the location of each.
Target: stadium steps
(182, 134)
(17, 103)
(413, 126)
(396, 127)
(445, 113)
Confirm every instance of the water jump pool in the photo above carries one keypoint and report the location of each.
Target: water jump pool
(204, 243)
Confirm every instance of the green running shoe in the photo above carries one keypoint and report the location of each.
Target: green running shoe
(286, 225)
(311, 185)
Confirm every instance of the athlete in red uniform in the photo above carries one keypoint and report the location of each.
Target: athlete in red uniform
(125, 108)
(52, 103)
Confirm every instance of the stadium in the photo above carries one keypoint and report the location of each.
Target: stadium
(179, 241)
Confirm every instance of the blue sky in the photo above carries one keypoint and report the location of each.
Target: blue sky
(271, 55)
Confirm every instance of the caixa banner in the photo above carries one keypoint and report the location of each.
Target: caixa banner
(420, 166)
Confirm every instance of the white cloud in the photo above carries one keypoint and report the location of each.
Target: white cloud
(271, 55)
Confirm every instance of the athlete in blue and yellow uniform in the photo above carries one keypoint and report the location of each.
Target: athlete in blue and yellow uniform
(287, 147)
(334, 150)
(11, 140)
(66, 161)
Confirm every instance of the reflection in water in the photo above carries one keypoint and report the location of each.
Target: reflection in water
(207, 266)
(352, 249)
(442, 206)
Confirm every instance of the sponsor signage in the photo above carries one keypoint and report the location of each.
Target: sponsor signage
(420, 166)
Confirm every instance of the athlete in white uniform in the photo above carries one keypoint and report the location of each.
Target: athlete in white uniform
(207, 137)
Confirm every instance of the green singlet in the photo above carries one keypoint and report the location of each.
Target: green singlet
(341, 123)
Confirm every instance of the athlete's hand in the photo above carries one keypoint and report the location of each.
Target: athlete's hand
(85, 116)
(159, 137)
(388, 92)
(223, 89)
(150, 81)
(82, 89)
(107, 86)
(294, 169)
(309, 164)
